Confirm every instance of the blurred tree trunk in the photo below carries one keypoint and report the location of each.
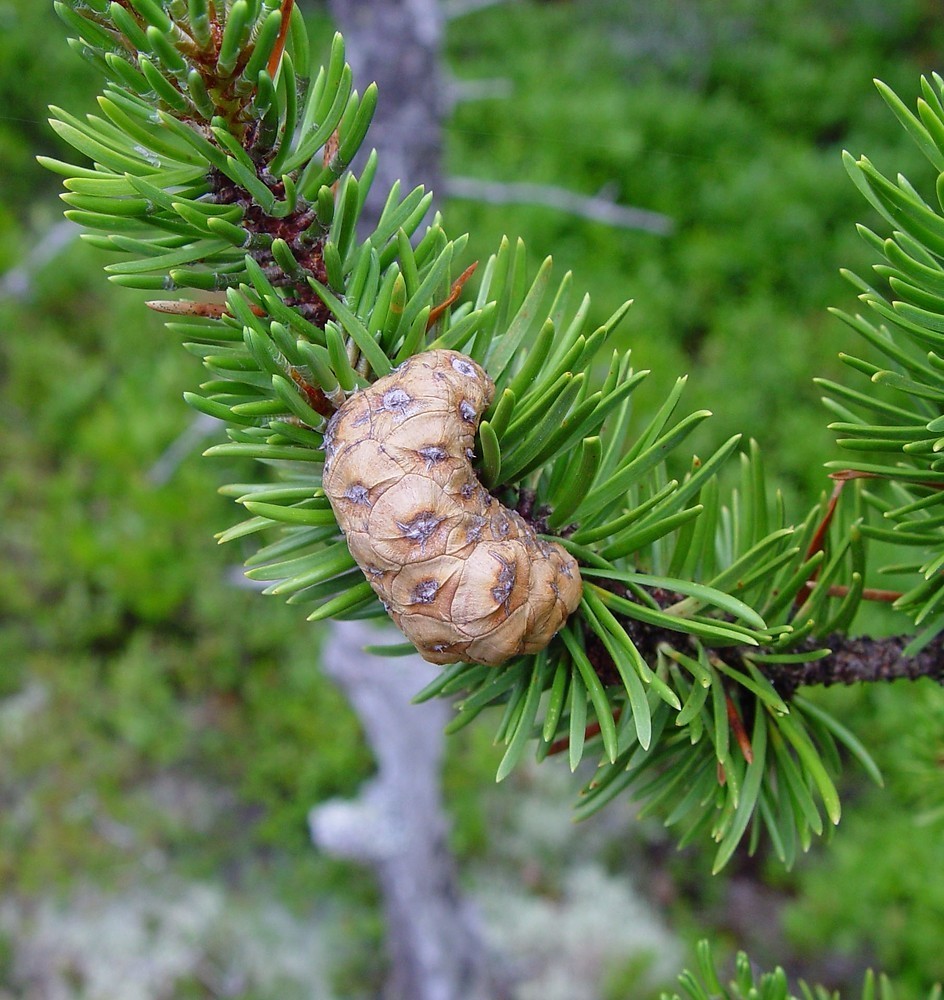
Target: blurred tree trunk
(398, 43)
(398, 824)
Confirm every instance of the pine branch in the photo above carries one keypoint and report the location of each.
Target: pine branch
(704, 982)
(222, 165)
(860, 660)
(839, 659)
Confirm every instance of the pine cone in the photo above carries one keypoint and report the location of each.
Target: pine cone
(462, 576)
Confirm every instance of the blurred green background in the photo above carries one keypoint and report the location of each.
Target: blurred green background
(155, 717)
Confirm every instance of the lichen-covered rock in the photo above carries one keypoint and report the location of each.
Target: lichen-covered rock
(462, 576)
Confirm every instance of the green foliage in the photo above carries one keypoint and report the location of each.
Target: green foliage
(903, 428)
(236, 183)
(748, 984)
(25, 72)
(729, 119)
(758, 126)
(130, 655)
(875, 894)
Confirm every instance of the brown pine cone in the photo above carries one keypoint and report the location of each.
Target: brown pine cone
(463, 577)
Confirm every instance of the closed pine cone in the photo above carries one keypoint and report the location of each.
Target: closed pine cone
(462, 576)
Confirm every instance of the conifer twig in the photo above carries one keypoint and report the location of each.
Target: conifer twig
(860, 660)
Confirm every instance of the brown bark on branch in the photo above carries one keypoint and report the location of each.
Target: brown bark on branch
(859, 660)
